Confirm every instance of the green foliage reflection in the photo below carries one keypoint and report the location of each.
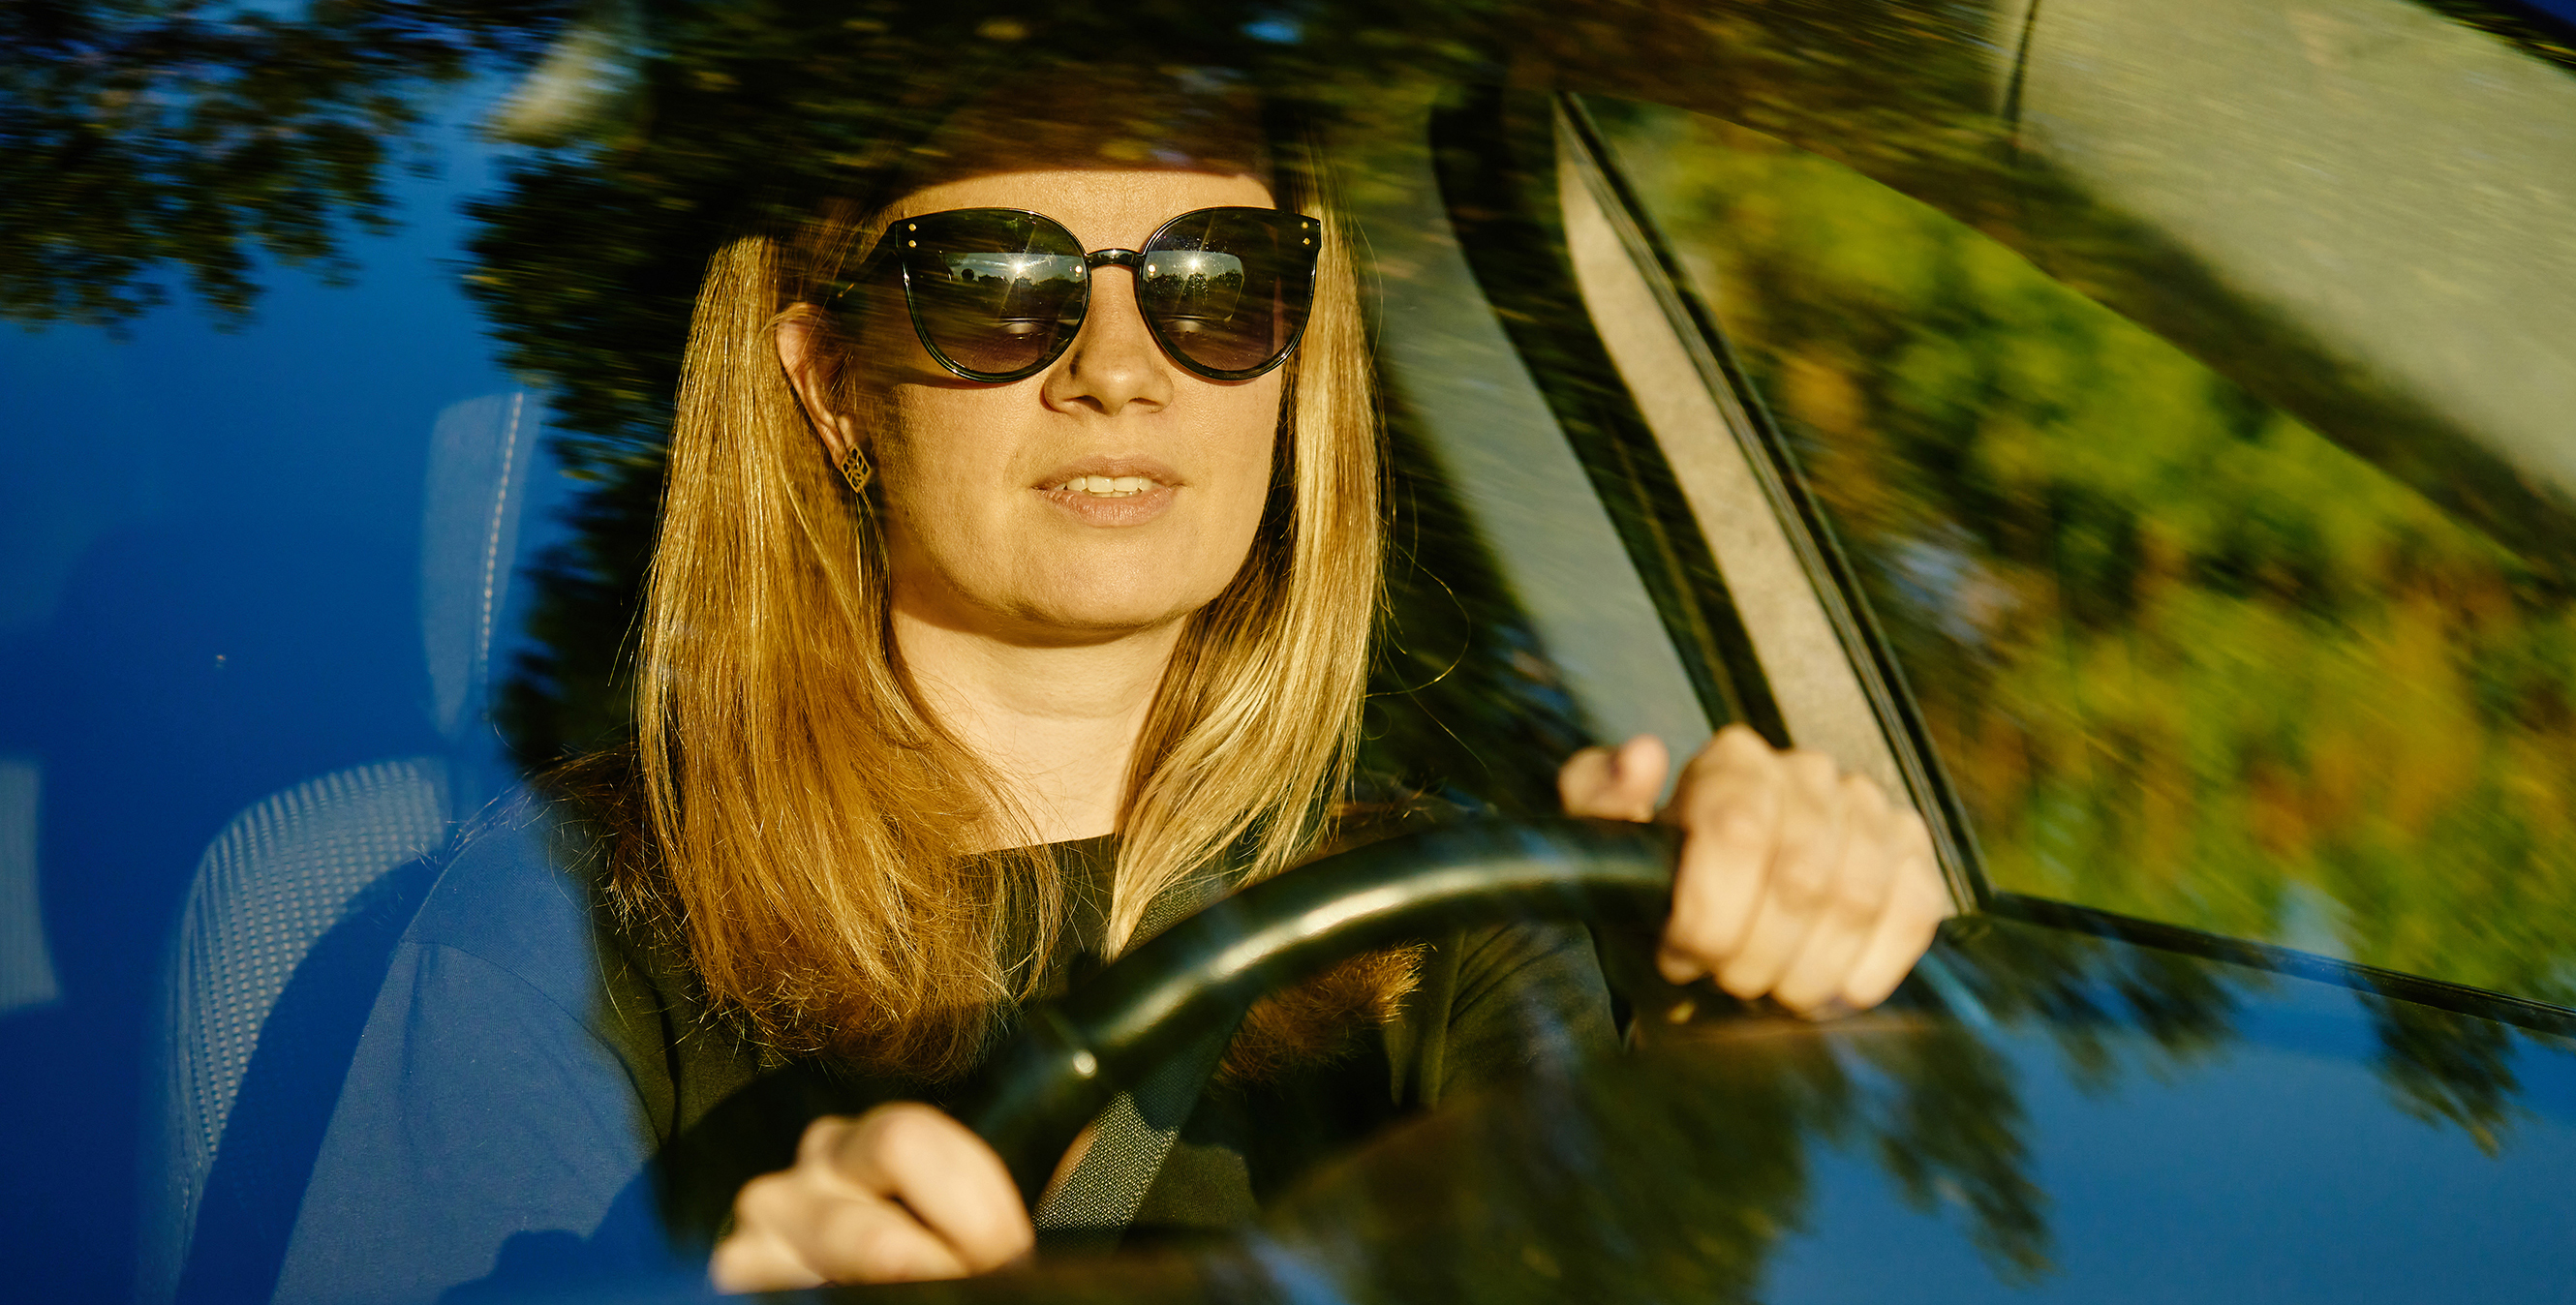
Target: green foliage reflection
(137, 138)
(2185, 658)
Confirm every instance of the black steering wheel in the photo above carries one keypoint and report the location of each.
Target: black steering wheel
(1070, 1056)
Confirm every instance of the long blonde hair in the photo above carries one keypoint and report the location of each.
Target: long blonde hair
(805, 814)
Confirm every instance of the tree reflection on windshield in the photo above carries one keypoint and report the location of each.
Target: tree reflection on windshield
(2042, 1077)
(2185, 658)
(2140, 675)
(202, 137)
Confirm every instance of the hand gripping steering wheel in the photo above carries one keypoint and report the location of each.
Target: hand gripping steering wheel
(1072, 1055)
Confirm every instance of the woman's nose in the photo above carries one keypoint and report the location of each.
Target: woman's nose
(1114, 363)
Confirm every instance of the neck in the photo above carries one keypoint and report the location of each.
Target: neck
(1058, 723)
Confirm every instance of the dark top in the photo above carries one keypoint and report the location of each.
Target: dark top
(539, 1096)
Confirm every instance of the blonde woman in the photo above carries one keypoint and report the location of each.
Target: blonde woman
(1012, 586)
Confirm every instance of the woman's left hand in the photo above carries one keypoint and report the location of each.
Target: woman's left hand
(1797, 881)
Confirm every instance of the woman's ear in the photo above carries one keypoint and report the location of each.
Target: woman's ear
(800, 352)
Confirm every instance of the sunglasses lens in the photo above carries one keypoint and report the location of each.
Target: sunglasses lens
(1228, 289)
(996, 291)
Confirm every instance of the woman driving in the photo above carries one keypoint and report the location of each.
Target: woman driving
(1013, 596)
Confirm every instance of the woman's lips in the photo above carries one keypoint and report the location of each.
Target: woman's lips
(1111, 491)
(1126, 509)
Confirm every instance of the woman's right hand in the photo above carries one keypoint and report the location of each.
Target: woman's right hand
(902, 1192)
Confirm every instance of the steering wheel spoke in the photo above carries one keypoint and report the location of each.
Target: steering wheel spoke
(1069, 1057)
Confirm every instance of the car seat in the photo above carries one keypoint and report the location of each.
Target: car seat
(296, 906)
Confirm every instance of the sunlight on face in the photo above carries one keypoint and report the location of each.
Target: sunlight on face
(1112, 492)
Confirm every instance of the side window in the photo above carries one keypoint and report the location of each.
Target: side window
(2182, 657)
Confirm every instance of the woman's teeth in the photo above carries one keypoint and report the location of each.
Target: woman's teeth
(1109, 486)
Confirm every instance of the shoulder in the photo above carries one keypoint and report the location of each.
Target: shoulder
(527, 894)
(488, 1096)
(521, 893)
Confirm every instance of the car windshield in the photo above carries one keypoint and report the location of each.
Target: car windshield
(2129, 436)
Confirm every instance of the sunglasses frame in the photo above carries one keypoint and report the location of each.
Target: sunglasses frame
(1311, 229)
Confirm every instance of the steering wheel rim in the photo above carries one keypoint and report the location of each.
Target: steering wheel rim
(1070, 1056)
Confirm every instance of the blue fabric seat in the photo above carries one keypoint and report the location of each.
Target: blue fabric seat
(282, 944)
(296, 906)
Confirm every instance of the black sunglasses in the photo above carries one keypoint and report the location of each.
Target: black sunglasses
(996, 294)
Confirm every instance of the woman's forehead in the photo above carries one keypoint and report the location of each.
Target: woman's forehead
(1102, 207)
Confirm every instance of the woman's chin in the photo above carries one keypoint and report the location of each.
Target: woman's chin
(1096, 609)
(1100, 622)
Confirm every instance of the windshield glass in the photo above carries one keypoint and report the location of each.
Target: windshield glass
(576, 617)
(2184, 657)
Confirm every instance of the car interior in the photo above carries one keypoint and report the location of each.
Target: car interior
(2134, 434)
